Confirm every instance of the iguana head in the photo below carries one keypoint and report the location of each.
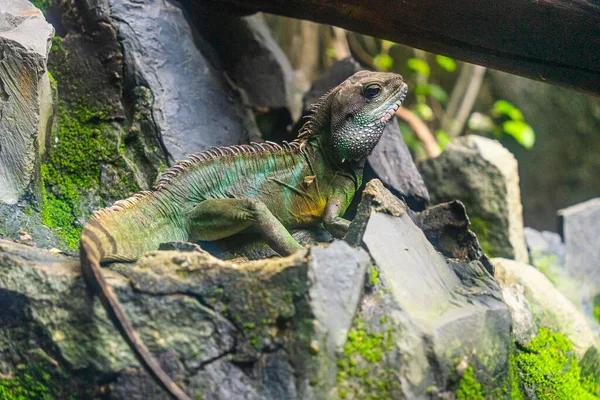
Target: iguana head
(355, 113)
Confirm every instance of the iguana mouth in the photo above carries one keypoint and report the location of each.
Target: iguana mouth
(390, 109)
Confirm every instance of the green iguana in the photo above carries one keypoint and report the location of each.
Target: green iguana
(263, 187)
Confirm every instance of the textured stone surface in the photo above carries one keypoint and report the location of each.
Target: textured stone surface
(446, 226)
(524, 327)
(390, 161)
(545, 247)
(547, 254)
(483, 175)
(252, 58)
(25, 99)
(549, 306)
(193, 107)
(24, 225)
(337, 278)
(437, 311)
(267, 329)
(580, 228)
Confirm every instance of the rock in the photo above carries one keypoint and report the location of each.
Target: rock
(428, 312)
(580, 229)
(547, 253)
(524, 327)
(337, 275)
(248, 246)
(15, 219)
(193, 107)
(227, 330)
(446, 226)
(251, 56)
(483, 175)
(335, 75)
(550, 307)
(391, 160)
(25, 97)
(545, 248)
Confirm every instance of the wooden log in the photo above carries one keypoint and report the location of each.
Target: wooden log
(554, 41)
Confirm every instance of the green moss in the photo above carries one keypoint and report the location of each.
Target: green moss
(549, 367)
(362, 373)
(44, 4)
(468, 387)
(83, 143)
(56, 40)
(32, 382)
(512, 387)
(597, 307)
(590, 371)
(58, 214)
(481, 229)
(374, 275)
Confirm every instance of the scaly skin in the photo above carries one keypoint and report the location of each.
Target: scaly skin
(263, 187)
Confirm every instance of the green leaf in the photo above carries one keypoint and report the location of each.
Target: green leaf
(330, 52)
(503, 107)
(419, 66)
(383, 62)
(438, 93)
(423, 111)
(434, 91)
(446, 62)
(442, 138)
(522, 132)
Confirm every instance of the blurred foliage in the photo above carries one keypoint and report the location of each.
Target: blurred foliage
(504, 119)
(436, 95)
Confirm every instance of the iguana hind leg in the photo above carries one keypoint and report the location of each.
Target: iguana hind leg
(218, 218)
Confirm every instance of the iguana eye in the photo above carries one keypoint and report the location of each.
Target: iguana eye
(372, 90)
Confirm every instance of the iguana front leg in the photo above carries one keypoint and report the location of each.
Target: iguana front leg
(219, 218)
(332, 221)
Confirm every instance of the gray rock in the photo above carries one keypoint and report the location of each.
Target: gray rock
(249, 246)
(446, 226)
(193, 106)
(547, 253)
(483, 175)
(545, 248)
(265, 329)
(524, 327)
(336, 275)
(549, 306)
(25, 98)
(391, 160)
(434, 313)
(251, 56)
(580, 229)
(335, 75)
(24, 225)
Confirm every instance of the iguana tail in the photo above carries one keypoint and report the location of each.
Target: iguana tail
(91, 252)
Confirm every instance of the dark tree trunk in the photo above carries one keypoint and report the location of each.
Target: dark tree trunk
(555, 41)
